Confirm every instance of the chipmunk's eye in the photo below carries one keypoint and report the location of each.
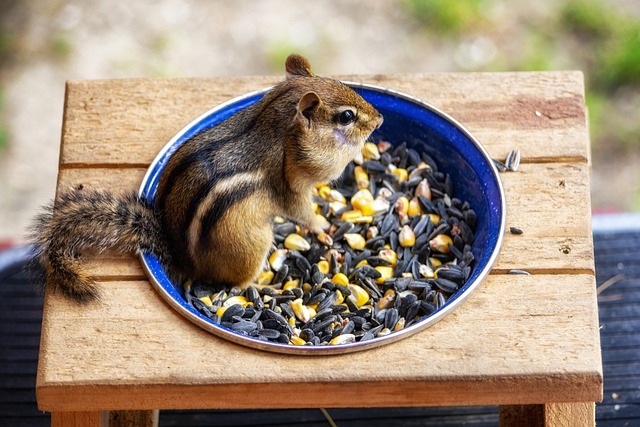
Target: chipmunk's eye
(346, 117)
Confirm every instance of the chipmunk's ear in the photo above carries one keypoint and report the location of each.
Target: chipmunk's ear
(308, 104)
(297, 66)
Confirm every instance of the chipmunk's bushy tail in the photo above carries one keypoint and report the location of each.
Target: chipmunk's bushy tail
(92, 221)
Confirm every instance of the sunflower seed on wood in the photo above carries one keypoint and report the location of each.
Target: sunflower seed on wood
(513, 160)
(499, 165)
(515, 230)
(523, 272)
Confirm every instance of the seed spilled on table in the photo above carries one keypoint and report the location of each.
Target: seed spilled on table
(397, 246)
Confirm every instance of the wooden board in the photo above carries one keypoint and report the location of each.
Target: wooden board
(518, 340)
(473, 356)
(125, 123)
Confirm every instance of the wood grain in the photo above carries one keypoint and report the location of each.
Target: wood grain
(126, 122)
(519, 331)
(549, 202)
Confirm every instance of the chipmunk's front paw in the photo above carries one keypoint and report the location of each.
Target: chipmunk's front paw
(319, 224)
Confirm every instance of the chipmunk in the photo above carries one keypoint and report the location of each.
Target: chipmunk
(220, 190)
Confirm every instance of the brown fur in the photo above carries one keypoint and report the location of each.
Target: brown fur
(219, 191)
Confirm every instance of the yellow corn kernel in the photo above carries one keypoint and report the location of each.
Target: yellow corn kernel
(402, 205)
(324, 192)
(418, 169)
(291, 284)
(370, 151)
(435, 218)
(406, 238)
(306, 287)
(387, 300)
(265, 278)
(292, 322)
(423, 189)
(325, 239)
(426, 271)
(389, 255)
(401, 173)
(360, 198)
(351, 215)
(236, 300)
(372, 232)
(221, 311)
(435, 262)
(399, 324)
(358, 295)
(277, 258)
(336, 196)
(441, 243)
(340, 279)
(297, 341)
(297, 242)
(375, 207)
(323, 266)
(355, 240)
(386, 273)
(414, 208)
(361, 176)
(384, 332)
(339, 299)
(361, 263)
(343, 339)
(363, 220)
(206, 300)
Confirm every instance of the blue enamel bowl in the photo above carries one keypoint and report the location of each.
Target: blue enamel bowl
(406, 119)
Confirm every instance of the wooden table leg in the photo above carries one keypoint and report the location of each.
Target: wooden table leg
(134, 418)
(549, 415)
(75, 419)
(105, 419)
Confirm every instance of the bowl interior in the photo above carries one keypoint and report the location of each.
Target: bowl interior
(424, 128)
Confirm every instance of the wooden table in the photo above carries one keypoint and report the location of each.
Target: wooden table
(527, 343)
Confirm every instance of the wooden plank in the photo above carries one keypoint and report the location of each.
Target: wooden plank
(554, 216)
(118, 122)
(144, 355)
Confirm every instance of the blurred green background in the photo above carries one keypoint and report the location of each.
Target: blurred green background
(43, 43)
